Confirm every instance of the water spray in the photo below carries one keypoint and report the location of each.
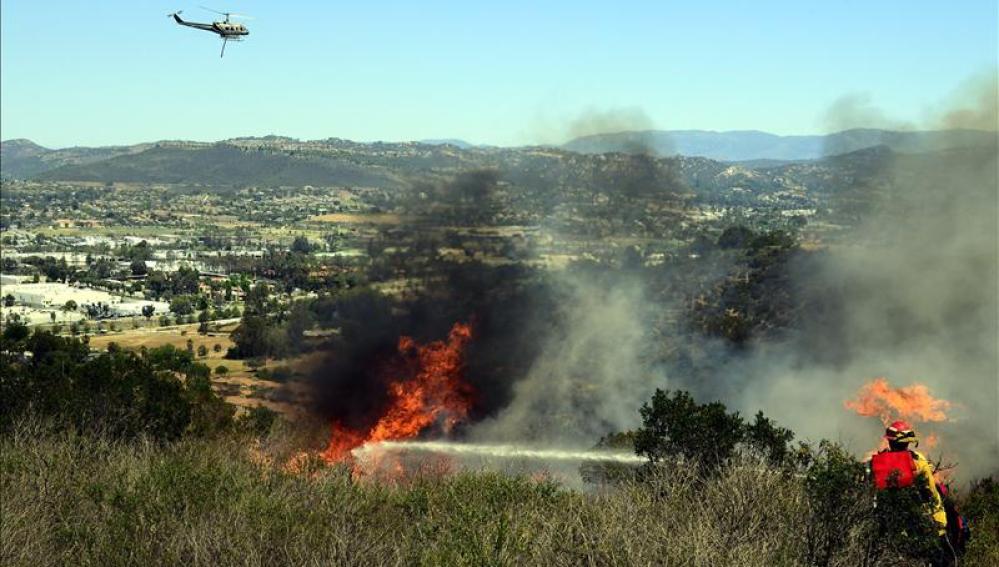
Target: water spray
(496, 451)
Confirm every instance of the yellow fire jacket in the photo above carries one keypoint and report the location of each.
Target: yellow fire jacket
(927, 484)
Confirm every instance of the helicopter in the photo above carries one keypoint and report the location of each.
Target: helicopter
(225, 29)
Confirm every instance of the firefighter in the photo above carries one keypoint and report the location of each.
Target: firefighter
(900, 466)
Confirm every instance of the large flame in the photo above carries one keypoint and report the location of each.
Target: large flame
(878, 398)
(431, 394)
(912, 403)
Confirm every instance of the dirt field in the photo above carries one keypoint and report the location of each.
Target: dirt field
(239, 386)
(350, 218)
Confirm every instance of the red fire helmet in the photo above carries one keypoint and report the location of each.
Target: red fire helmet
(900, 431)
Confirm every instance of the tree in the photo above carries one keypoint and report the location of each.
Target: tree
(190, 347)
(8, 300)
(300, 319)
(52, 316)
(181, 305)
(257, 300)
(148, 310)
(252, 338)
(674, 425)
(202, 351)
(301, 245)
(221, 370)
(69, 306)
(158, 283)
(119, 394)
(138, 268)
(735, 237)
(185, 281)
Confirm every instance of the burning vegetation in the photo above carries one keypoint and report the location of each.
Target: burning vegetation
(913, 403)
(878, 398)
(425, 391)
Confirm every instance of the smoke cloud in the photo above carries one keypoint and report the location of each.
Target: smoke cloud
(909, 292)
(590, 377)
(857, 110)
(916, 285)
(592, 122)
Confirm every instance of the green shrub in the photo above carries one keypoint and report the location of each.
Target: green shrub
(258, 420)
(981, 507)
(117, 393)
(675, 426)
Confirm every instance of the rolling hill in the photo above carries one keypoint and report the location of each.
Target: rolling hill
(749, 145)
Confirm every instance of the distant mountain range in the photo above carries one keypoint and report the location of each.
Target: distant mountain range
(281, 161)
(752, 145)
(23, 158)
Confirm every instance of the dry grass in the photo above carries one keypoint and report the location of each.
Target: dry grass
(152, 337)
(351, 218)
(84, 501)
(239, 385)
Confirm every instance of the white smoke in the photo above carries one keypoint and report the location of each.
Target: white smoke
(919, 280)
(591, 377)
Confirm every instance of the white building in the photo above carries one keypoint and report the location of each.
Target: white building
(53, 296)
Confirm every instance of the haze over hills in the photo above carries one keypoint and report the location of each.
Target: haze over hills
(23, 158)
(780, 162)
(748, 145)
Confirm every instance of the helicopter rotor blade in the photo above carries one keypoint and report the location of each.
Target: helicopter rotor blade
(227, 14)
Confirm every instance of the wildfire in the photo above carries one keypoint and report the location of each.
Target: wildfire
(911, 403)
(430, 393)
(879, 398)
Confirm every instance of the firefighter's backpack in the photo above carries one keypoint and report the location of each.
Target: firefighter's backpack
(894, 469)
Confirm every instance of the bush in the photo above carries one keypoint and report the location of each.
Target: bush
(840, 502)
(221, 370)
(675, 426)
(258, 420)
(72, 499)
(981, 507)
(119, 393)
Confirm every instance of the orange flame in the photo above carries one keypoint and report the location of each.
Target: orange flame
(435, 395)
(879, 398)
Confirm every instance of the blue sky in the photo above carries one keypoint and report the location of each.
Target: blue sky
(512, 72)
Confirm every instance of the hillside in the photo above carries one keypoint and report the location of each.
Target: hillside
(222, 164)
(275, 160)
(280, 161)
(751, 145)
(534, 173)
(23, 158)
